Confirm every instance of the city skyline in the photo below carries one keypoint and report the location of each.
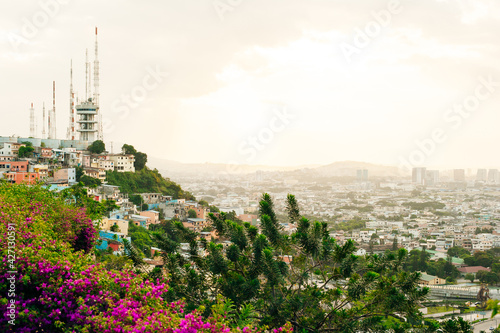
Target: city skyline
(304, 84)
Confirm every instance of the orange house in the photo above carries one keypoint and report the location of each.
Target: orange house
(22, 177)
(14, 166)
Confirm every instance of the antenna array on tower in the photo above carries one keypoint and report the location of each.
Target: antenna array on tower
(32, 122)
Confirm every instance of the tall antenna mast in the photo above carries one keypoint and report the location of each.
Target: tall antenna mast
(43, 122)
(90, 81)
(53, 127)
(49, 129)
(32, 122)
(86, 74)
(71, 127)
(96, 90)
(96, 73)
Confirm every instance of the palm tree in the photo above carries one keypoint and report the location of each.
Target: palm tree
(493, 306)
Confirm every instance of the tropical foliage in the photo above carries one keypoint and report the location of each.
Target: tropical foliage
(144, 181)
(305, 278)
(59, 288)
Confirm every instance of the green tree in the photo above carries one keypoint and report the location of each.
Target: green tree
(469, 277)
(458, 251)
(458, 325)
(27, 143)
(79, 173)
(213, 209)
(146, 181)
(115, 228)
(481, 276)
(142, 238)
(493, 306)
(305, 278)
(129, 149)
(97, 147)
(90, 181)
(395, 244)
(424, 257)
(480, 258)
(77, 196)
(140, 158)
(109, 206)
(192, 213)
(25, 151)
(489, 278)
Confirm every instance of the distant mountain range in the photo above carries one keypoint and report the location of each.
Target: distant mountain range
(349, 168)
(336, 169)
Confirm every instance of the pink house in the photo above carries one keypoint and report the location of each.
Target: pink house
(152, 215)
(86, 161)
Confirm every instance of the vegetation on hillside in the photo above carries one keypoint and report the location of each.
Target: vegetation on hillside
(262, 280)
(424, 205)
(146, 181)
(97, 147)
(306, 278)
(59, 288)
(26, 151)
(140, 158)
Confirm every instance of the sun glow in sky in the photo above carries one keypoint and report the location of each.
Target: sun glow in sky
(233, 75)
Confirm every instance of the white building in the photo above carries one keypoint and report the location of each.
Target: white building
(123, 162)
(6, 149)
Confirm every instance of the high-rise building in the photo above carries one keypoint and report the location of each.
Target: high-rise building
(493, 176)
(418, 176)
(362, 174)
(459, 175)
(482, 175)
(32, 122)
(88, 112)
(431, 177)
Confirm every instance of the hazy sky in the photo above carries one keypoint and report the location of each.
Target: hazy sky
(265, 81)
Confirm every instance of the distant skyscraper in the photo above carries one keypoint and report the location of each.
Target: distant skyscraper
(481, 175)
(493, 176)
(459, 175)
(431, 177)
(362, 174)
(418, 176)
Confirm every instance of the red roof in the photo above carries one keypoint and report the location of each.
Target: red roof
(472, 269)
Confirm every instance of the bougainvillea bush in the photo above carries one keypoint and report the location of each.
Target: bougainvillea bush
(59, 288)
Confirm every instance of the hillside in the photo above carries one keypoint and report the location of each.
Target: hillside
(336, 169)
(349, 168)
(146, 181)
(179, 168)
(57, 286)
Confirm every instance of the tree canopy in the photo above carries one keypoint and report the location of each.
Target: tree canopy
(305, 278)
(97, 147)
(145, 181)
(140, 158)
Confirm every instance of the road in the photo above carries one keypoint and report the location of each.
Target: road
(485, 325)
